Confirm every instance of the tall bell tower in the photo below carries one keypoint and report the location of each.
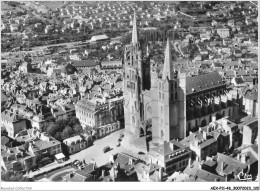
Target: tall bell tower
(133, 83)
(164, 90)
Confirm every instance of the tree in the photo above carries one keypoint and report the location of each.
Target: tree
(77, 128)
(52, 129)
(14, 177)
(68, 131)
(73, 121)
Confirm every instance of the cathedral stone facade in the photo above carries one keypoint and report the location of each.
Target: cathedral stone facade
(160, 95)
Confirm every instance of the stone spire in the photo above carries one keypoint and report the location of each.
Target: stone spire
(168, 67)
(134, 33)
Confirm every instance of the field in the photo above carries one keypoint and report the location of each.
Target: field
(52, 4)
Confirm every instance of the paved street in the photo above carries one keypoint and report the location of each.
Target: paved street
(96, 151)
(128, 145)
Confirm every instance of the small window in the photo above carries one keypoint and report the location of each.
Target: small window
(163, 96)
(176, 95)
(159, 95)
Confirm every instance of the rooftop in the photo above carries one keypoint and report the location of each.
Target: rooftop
(203, 82)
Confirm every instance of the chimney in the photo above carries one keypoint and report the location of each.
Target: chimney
(52, 111)
(160, 174)
(71, 175)
(111, 159)
(213, 118)
(224, 122)
(199, 166)
(221, 166)
(204, 135)
(103, 173)
(196, 143)
(190, 132)
(238, 157)
(189, 162)
(130, 161)
(243, 158)
(200, 130)
(171, 146)
(226, 178)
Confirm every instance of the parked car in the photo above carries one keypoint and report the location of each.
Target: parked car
(106, 149)
(121, 136)
(118, 144)
(76, 162)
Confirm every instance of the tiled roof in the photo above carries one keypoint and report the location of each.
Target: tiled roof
(251, 94)
(84, 63)
(168, 148)
(73, 139)
(230, 164)
(44, 144)
(239, 80)
(74, 178)
(203, 82)
(9, 116)
(253, 124)
(200, 174)
(248, 78)
(86, 170)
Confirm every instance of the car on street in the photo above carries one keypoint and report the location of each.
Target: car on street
(118, 144)
(106, 149)
(76, 162)
(141, 153)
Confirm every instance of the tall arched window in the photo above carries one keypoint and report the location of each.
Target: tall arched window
(133, 119)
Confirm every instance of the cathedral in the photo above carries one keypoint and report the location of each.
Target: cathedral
(165, 97)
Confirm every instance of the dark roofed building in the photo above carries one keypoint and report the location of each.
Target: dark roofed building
(204, 82)
(198, 174)
(86, 173)
(68, 69)
(111, 64)
(84, 63)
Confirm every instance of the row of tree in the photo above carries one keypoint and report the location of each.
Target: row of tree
(11, 176)
(63, 129)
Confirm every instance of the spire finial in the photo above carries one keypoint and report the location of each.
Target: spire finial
(147, 50)
(134, 33)
(168, 68)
